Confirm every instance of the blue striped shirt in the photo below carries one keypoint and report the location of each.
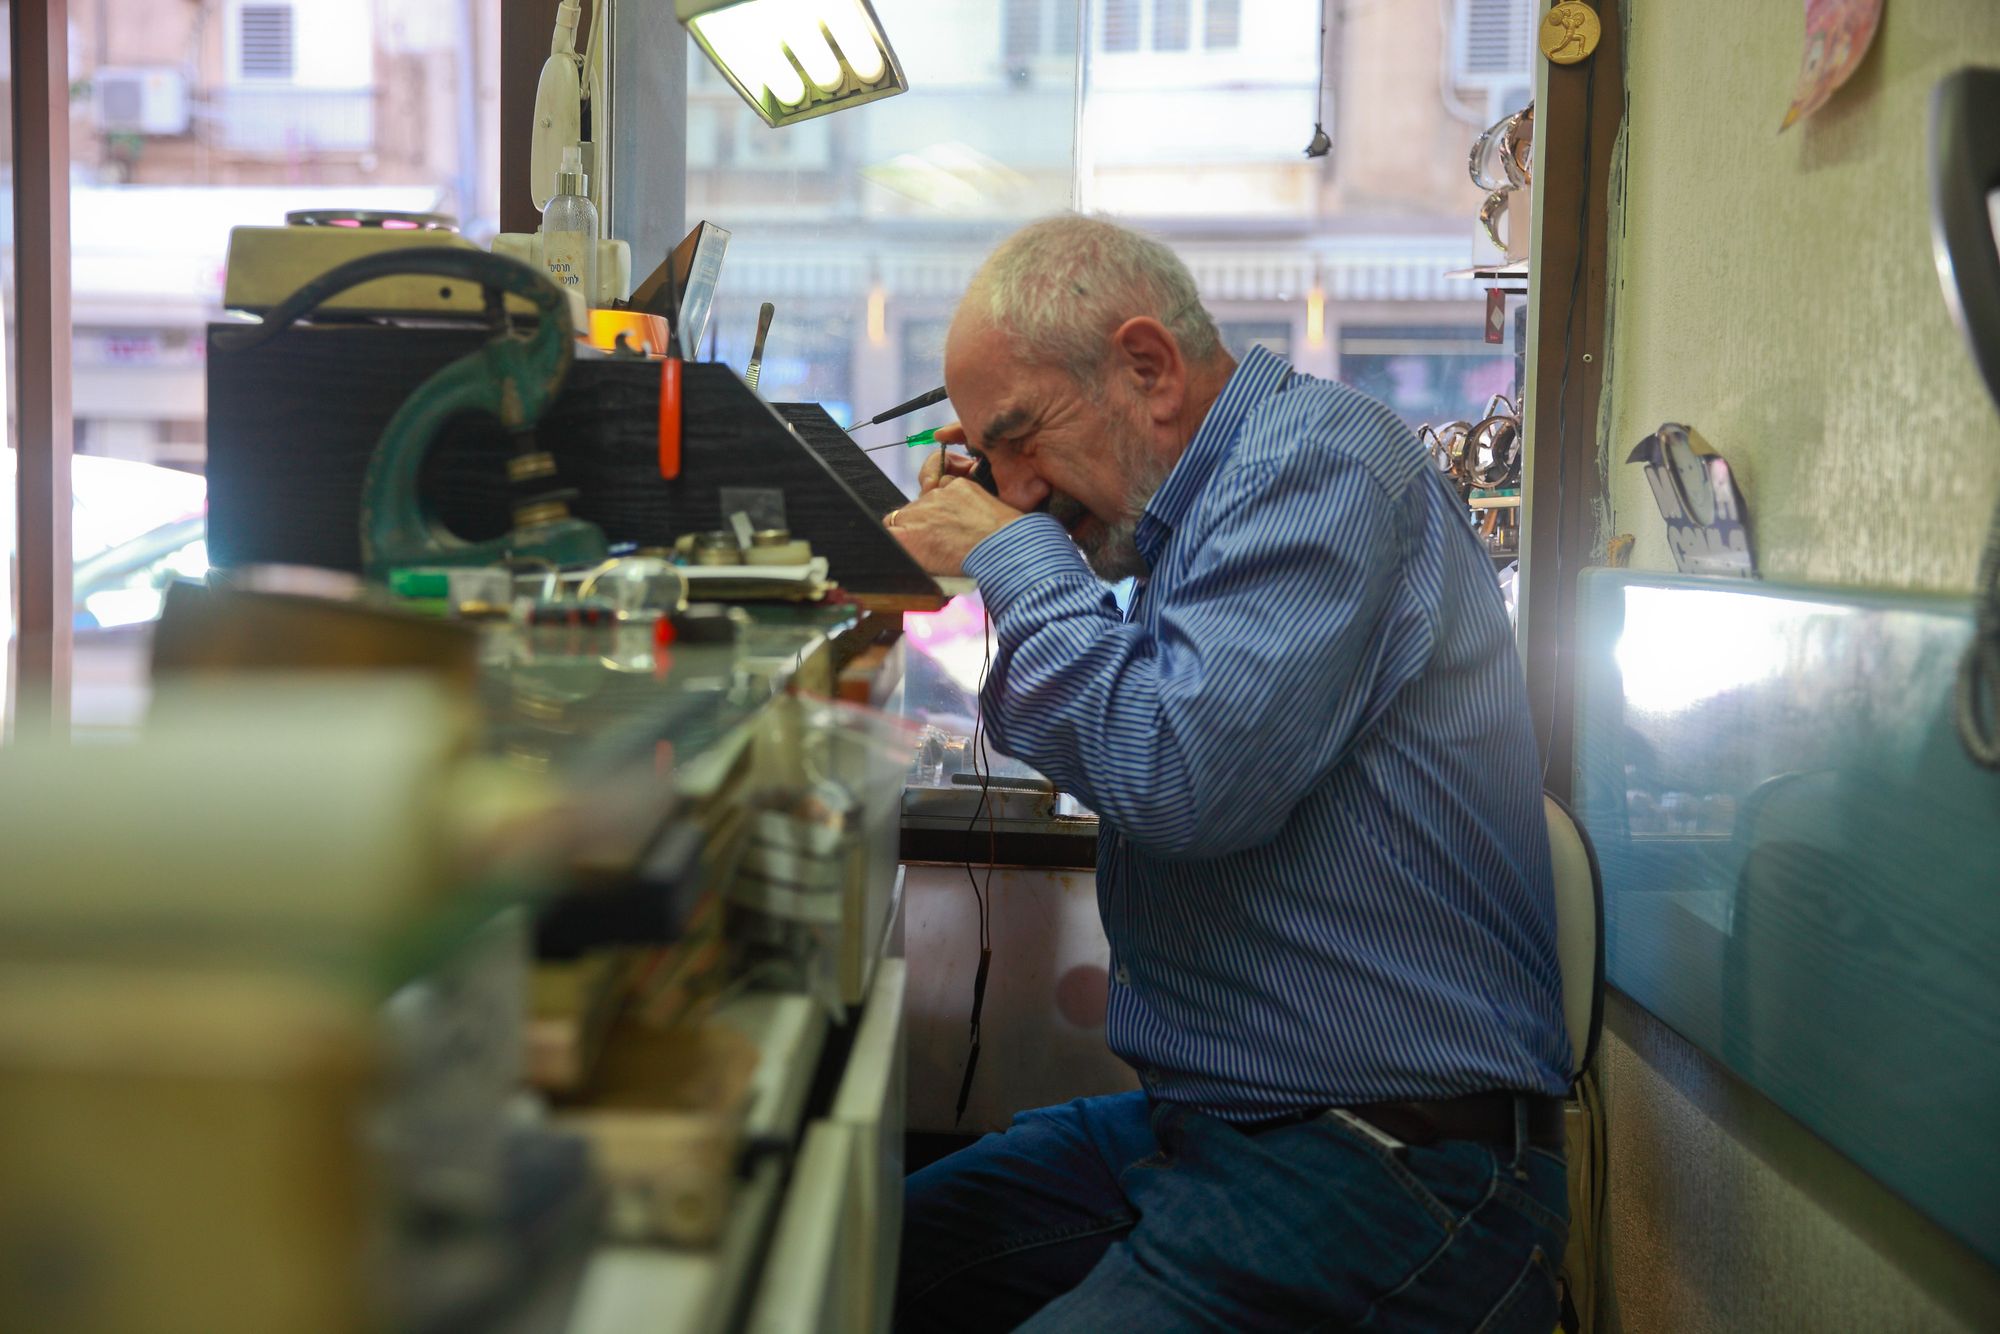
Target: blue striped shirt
(1322, 863)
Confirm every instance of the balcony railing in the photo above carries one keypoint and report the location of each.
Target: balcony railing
(285, 119)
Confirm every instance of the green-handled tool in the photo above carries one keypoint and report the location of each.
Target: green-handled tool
(917, 441)
(982, 471)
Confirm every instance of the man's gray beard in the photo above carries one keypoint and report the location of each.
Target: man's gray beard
(1113, 552)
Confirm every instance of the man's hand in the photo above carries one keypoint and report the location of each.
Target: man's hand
(952, 516)
(944, 463)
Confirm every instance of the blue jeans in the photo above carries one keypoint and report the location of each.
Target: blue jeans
(1118, 1213)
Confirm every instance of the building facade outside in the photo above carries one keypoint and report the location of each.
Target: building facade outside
(1185, 117)
(189, 117)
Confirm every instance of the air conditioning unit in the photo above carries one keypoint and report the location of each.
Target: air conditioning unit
(140, 100)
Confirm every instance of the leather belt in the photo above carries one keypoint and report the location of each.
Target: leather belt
(1484, 1118)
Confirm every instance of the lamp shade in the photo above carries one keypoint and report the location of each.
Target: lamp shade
(796, 59)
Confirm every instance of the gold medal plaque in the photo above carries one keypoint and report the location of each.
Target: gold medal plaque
(1569, 32)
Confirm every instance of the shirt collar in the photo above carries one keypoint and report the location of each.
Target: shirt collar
(1257, 376)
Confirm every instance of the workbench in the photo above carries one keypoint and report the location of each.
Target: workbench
(811, 1235)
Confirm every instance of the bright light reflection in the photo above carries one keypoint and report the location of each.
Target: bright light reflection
(124, 606)
(955, 638)
(878, 315)
(856, 36)
(1681, 647)
(745, 42)
(802, 34)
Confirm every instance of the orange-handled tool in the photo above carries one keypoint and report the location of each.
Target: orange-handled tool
(670, 417)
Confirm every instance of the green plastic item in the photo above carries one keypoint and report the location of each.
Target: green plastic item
(420, 583)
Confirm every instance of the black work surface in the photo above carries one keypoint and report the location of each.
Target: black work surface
(293, 423)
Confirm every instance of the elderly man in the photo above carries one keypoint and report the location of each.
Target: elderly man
(1323, 869)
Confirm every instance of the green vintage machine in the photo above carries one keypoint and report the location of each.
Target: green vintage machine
(513, 378)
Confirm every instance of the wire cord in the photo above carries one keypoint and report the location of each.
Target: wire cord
(982, 765)
(1979, 672)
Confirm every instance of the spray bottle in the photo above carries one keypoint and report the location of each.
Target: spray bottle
(569, 229)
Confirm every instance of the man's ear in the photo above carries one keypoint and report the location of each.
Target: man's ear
(1151, 356)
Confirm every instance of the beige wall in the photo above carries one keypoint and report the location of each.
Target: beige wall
(1776, 291)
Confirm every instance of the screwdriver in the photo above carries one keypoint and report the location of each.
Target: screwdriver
(923, 400)
(917, 441)
(982, 471)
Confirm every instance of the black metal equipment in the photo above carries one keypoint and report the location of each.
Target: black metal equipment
(294, 420)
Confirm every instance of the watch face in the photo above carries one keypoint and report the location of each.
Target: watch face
(1691, 476)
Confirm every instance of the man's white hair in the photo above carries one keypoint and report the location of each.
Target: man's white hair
(1058, 288)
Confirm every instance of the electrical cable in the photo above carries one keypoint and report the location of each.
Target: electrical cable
(1979, 672)
(982, 766)
(1321, 144)
(593, 52)
(1597, 1166)
(1579, 1274)
(1576, 296)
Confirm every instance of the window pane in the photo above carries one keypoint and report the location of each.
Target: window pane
(1063, 15)
(1224, 19)
(891, 206)
(197, 119)
(1121, 25)
(1239, 336)
(1172, 21)
(923, 353)
(1337, 264)
(1021, 22)
(1426, 371)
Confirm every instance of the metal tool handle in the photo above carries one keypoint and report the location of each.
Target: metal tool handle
(497, 274)
(937, 395)
(764, 315)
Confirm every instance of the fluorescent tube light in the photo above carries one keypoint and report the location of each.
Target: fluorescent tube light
(795, 59)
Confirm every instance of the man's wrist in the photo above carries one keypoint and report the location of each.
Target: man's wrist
(1022, 555)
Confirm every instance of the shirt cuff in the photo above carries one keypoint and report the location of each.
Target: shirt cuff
(1026, 554)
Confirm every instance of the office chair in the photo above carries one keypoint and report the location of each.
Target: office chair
(1579, 887)
(1579, 933)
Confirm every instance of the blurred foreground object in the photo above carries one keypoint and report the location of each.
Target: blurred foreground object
(256, 1044)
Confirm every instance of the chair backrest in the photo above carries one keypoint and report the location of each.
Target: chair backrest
(1579, 932)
